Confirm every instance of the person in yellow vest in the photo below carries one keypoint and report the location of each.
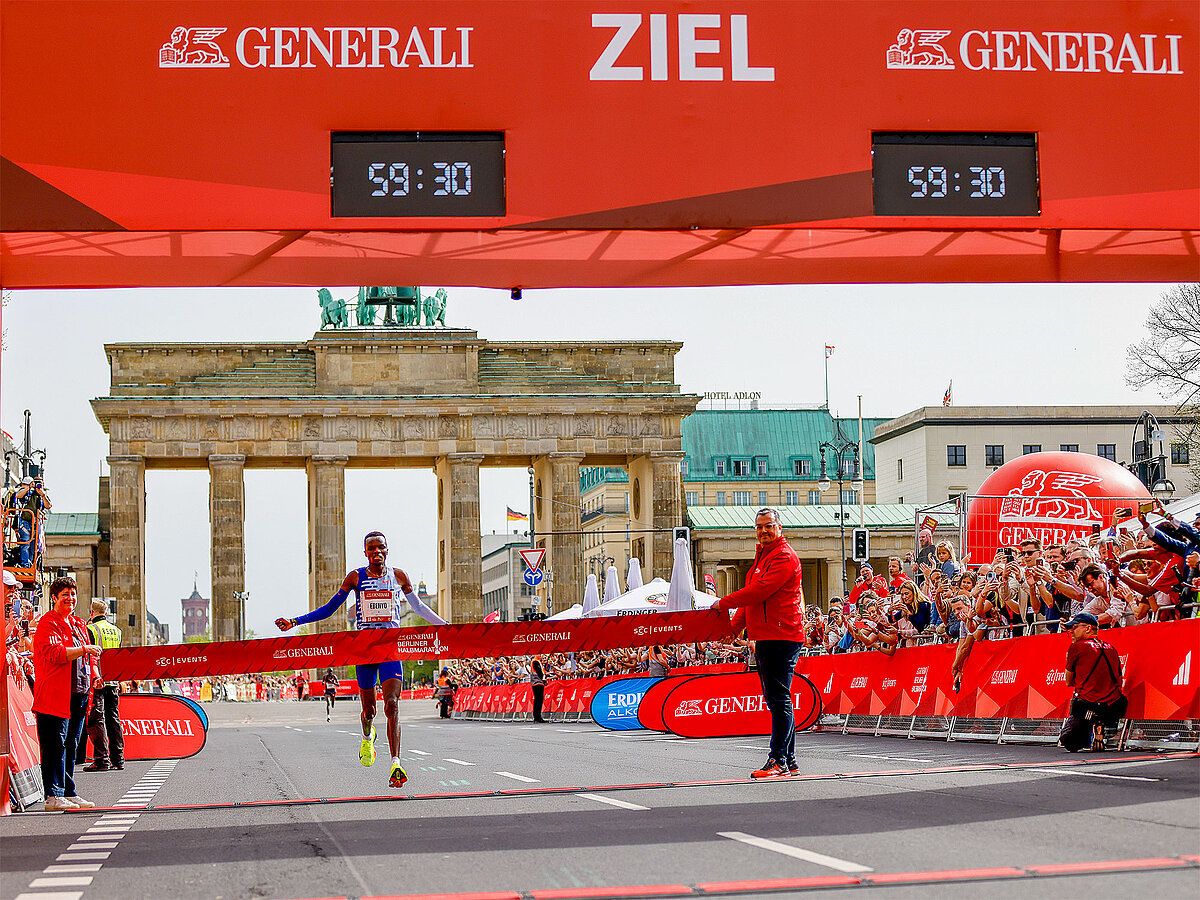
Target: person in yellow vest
(104, 720)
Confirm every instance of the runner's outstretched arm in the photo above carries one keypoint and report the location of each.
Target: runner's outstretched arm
(419, 607)
(324, 612)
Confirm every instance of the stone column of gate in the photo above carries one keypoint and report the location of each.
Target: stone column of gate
(460, 563)
(327, 537)
(566, 523)
(227, 521)
(666, 504)
(127, 545)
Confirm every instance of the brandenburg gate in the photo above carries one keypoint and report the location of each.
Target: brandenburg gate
(403, 396)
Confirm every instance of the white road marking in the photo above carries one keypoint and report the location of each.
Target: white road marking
(69, 881)
(79, 857)
(459, 762)
(820, 859)
(420, 753)
(94, 846)
(105, 836)
(517, 777)
(51, 895)
(611, 802)
(78, 867)
(1065, 771)
(897, 758)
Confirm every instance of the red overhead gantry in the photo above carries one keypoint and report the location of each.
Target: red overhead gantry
(641, 142)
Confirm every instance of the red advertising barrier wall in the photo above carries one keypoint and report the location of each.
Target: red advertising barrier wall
(1019, 678)
(23, 750)
(435, 642)
(159, 726)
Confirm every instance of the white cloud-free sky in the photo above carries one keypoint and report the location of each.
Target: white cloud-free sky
(897, 345)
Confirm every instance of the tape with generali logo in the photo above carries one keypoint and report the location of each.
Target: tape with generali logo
(349, 648)
(732, 705)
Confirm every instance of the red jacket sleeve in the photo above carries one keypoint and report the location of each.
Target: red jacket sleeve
(775, 575)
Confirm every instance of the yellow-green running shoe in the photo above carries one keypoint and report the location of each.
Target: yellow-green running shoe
(366, 753)
(399, 776)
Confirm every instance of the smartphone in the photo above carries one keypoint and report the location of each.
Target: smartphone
(1009, 553)
(1124, 512)
(1145, 506)
(1096, 529)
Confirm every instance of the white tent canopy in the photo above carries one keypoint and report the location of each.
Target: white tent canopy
(574, 612)
(650, 597)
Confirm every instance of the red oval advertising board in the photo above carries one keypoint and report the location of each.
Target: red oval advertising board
(732, 706)
(159, 726)
(650, 710)
(1054, 497)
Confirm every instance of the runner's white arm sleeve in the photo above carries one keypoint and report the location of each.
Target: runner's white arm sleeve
(422, 610)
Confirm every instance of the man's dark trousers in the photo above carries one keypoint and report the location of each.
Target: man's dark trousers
(776, 662)
(104, 728)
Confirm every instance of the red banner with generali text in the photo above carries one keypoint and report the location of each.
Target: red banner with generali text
(348, 648)
(1021, 678)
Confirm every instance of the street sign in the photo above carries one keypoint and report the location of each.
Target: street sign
(533, 560)
(533, 577)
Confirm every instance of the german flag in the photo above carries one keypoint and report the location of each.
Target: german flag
(514, 516)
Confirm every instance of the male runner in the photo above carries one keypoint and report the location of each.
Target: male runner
(379, 591)
(331, 685)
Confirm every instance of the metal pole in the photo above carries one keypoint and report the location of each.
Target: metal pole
(862, 472)
(842, 525)
(25, 460)
(532, 544)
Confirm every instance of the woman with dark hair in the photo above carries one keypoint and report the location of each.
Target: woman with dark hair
(537, 680)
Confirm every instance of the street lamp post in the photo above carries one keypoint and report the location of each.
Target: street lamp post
(842, 451)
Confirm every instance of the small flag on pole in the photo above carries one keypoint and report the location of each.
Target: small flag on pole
(828, 350)
(946, 399)
(514, 516)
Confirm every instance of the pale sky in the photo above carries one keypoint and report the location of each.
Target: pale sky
(897, 345)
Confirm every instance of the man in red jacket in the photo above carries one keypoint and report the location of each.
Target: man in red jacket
(771, 609)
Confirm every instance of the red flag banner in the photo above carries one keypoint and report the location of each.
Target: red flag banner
(348, 648)
(1020, 678)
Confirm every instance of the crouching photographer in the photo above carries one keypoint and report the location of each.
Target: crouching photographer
(1094, 670)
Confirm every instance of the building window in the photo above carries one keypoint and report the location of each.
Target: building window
(683, 467)
(760, 466)
(849, 468)
(814, 498)
(792, 498)
(719, 467)
(741, 467)
(850, 498)
(762, 498)
(993, 454)
(720, 498)
(956, 454)
(1031, 448)
(1179, 454)
(1069, 448)
(802, 468)
(899, 470)
(1107, 451)
(741, 498)
(692, 498)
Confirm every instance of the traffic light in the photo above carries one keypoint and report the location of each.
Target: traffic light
(682, 531)
(861, 543)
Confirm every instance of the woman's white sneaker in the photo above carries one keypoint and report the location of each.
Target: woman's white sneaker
(59, 804)
(80, 802)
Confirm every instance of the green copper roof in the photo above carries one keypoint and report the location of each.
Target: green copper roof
(875, 515)
(72, 523)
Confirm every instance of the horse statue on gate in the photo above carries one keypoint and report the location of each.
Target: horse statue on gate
(433, 307)
(333, 312)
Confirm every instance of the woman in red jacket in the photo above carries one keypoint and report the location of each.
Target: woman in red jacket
(65, 666)
(771, 609)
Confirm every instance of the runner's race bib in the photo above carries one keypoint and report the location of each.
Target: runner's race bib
(377, 606)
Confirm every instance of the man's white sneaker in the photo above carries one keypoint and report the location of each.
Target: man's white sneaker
(59, 804)
(80, 802)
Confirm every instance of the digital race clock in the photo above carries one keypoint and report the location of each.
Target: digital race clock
(405, 174)
(954, 174)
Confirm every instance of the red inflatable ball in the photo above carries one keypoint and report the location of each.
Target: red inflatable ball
(1053, 497)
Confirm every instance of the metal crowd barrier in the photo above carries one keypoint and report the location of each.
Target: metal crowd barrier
(1134, 734)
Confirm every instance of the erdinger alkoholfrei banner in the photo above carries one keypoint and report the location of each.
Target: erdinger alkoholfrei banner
(1021, 678)
(472, 641)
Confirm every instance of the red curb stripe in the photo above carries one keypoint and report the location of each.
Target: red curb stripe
(485, 895)
(633, 890)
(1116, 865)
(945, 875)
(777, 884)
(1194, 859)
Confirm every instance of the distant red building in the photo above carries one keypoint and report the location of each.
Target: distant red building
(195, 615)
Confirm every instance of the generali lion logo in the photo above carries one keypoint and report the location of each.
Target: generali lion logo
(917, 48)
(689, 708)
(193, 48)
(1026, 504)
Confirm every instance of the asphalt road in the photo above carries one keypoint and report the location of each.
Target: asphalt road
(1020, 810)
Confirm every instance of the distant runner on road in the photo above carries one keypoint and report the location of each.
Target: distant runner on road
(331, 686)
(379, 593)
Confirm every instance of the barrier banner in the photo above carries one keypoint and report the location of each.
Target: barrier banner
(732, 706)
(1021, 678)
(159, 726)
(615, 704)
(650, 710)
(434, 642)
(24, 753)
